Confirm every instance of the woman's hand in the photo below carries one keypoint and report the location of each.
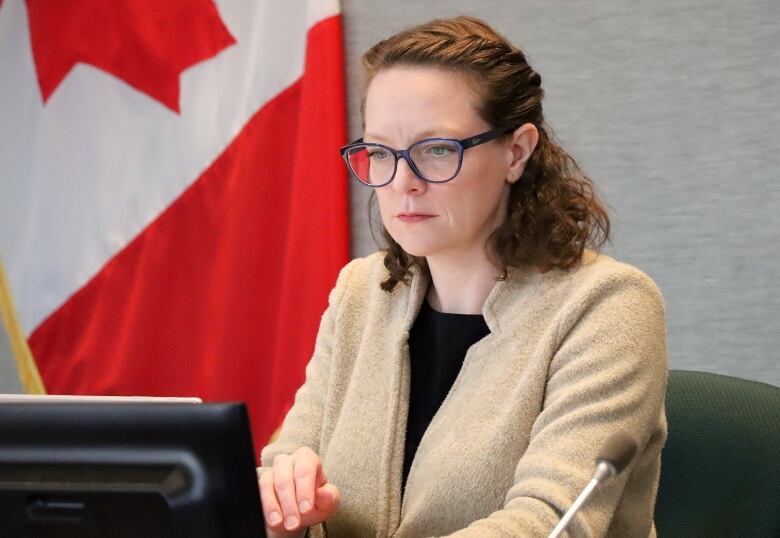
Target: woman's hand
(295, 494)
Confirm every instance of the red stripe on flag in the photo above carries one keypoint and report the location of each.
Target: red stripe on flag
(221, 296)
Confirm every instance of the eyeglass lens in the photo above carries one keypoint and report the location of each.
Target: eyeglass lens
(435, 160)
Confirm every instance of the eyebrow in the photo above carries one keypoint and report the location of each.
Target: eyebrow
(429, 133)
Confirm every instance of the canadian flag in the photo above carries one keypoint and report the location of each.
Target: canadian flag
(173, 209)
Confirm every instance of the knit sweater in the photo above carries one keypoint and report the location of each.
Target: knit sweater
(572, 356)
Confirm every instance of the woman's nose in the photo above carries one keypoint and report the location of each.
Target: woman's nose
(406, 181)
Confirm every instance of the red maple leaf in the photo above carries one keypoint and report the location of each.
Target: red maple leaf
(146, 43)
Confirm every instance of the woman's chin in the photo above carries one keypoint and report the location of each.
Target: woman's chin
(414, 248)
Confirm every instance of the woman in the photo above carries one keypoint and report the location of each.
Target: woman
(464, 378)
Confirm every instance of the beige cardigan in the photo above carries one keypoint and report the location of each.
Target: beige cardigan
(572, 357)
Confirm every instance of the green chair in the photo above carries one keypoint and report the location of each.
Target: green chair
(720, 469)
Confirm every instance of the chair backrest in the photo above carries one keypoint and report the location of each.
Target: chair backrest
(720, 469)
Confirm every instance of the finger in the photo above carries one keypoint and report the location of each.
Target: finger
(284, 487)
(271, 509)
(326, 503)
(321, 479)
(327, 498)
(306, 470)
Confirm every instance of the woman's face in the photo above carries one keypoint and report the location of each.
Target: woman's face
(453, 219)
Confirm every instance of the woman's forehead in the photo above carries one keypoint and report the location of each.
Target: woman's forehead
(420, 101)
(411, 84)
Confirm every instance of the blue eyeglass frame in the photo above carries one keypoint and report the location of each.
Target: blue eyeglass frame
(462, 145)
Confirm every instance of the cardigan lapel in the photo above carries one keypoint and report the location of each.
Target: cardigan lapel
(398, 404)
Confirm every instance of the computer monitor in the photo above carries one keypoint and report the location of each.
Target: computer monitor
(121, 470)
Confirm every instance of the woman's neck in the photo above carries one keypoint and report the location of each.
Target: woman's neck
(461, 286)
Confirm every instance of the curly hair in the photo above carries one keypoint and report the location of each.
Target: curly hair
(554, 213)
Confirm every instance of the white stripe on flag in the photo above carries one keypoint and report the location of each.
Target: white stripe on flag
(68, 186)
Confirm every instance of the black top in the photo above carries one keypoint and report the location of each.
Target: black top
(438, 343)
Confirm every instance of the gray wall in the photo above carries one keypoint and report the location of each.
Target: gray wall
(673, 108)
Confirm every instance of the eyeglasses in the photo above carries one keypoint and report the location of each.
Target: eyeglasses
(435, 160)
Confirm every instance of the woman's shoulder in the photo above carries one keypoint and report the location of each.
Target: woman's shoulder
(599, 276)
(593, 270)
(361, 279)
(595, 278)
(600, 271)
(597, 267)
(367, 269)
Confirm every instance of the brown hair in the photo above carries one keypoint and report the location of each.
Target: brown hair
(553, 213)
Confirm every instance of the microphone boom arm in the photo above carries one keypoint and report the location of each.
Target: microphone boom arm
(603, 471)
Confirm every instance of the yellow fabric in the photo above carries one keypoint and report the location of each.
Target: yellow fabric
(25, 365)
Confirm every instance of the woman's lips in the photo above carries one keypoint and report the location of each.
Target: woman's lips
(414, 217)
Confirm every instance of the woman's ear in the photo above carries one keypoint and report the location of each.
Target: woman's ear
(520, 148)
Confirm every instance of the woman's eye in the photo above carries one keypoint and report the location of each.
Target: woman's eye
(440, 151)
(377, 154)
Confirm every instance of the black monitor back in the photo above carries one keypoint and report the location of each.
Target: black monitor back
(121, 470)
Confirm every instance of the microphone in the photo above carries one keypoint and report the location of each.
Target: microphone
(615, 454)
